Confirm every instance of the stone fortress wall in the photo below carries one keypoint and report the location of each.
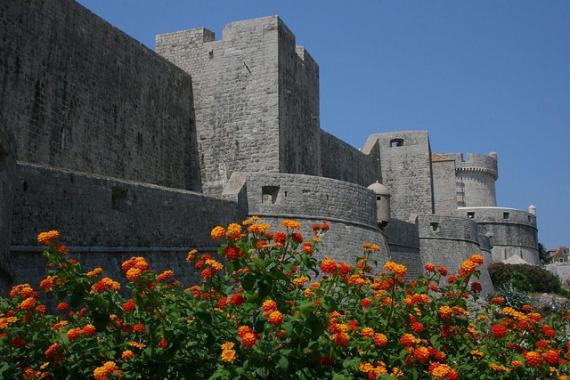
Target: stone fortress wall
(348, 208)
(129, 153)
(79, 94)
(511, 231)
(7, 174)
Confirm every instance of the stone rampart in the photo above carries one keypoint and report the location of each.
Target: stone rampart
(511, 231)
(341, 161)
(350, 209)
(78, 93)
(450, 240)
(101, 218)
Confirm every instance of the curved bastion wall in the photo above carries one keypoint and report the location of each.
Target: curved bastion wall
(511, 231)
(449, 240)
(350, 210)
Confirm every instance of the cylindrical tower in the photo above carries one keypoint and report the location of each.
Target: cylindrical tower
(476, 178)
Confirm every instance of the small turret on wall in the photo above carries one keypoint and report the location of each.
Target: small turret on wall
(382, 203)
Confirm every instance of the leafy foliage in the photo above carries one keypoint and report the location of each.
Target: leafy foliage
(524, 277)
(267, 307)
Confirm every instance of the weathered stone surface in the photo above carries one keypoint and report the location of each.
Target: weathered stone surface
(82, 95)
(449, 240)
(111, 137)
(406, 171)
(510, 231)
(7, 176)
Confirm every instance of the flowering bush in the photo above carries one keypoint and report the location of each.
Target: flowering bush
(266, 307)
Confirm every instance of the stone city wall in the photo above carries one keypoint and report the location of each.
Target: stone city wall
(299, 132)
(342, 161)
(7, 177)
(511, 231)
(107, 219)
(450, 240)
(350, 209)
(78, 93)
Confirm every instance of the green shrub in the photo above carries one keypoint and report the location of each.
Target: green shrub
(524, 277)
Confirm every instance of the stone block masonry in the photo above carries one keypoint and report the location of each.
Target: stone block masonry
(406, 170)
(7, 169)
(129, 152)
(236, 96)
(257, 105)
(105, 220)
(82, 95)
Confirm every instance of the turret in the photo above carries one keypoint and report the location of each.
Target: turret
(382, 203)
(532, 210)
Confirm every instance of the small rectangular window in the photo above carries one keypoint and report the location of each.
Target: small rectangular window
(269, 194)
(396, 142)
(119, 197)
(434, 226)
(470, 215)
(505, 215)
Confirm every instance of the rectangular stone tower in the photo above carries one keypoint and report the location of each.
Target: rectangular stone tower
(256, 99)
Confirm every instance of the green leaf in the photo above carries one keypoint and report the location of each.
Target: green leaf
(248, 282)
(340, 376)
(351, 363)
(283, 363)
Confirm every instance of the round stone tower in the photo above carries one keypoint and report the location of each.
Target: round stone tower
(476, 176)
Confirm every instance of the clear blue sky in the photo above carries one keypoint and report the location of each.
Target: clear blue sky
(479, 76)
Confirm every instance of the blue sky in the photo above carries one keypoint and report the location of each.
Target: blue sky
(479, 76)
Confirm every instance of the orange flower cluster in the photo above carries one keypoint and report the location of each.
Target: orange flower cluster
(247, 335)
(217, 233)
(165, 275)
(228, 354)
(291, 224)
(108, 369)
(469, 266)
(104, 285)
(397, 269)
(234, 231)
(48, 237)
(371, 247)
(443, 371)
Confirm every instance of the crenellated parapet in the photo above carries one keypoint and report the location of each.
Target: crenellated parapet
(478, 163)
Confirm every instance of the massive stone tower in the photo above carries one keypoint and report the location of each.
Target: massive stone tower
(256, 99)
